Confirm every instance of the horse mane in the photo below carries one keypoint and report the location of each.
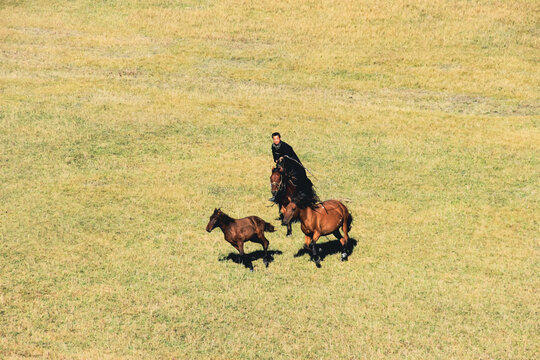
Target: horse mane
(305, 200)
(305, 194)
(225, 219)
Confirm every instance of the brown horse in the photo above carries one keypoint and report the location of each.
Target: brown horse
(238, 231)
(282, 188)
(319, 220)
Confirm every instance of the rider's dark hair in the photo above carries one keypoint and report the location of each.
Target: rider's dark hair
(276, 134)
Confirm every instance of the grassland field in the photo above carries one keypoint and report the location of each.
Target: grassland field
(123, 124)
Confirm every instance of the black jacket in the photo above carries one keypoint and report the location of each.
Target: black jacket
(286, 151)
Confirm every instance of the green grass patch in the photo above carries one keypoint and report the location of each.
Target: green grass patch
(123, 124)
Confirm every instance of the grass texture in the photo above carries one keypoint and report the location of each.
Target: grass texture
(124, 123)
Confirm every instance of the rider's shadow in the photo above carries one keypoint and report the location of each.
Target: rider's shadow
(256, 255)
(329, 248)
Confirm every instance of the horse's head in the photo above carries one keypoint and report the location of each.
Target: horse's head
(276, 180)
(212, 224)
(290, 212)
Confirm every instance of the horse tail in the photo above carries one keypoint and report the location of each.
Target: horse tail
(349, 222)
(269, 227)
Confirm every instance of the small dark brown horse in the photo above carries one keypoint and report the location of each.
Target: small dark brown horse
(238, 231)
(319, 220)
(282, 189)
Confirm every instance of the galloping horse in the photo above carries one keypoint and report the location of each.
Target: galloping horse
(321, 219)
(285, 188)
(282, 189)
(238, 231)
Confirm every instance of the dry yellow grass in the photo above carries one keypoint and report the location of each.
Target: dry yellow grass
(124, 123)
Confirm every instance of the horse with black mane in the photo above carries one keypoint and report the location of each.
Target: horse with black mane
(285, 186)
(282, 188)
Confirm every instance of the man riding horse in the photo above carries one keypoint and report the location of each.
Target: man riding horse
(289, 181)
(286, 159)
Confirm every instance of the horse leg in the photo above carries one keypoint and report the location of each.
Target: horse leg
(316, 257)
(289, 227)
(247, 262)
(264, 242)
(344, 240)
(234, 245)
(307, 246)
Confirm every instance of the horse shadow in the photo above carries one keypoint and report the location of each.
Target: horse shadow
(329, 248)
(256, 255)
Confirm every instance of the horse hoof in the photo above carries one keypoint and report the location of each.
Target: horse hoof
(318, 264)
(251, 270)
(289, 235)
(344, 257)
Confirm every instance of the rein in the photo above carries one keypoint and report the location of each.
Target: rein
(302, 165)
(324, 207)
(279, 185)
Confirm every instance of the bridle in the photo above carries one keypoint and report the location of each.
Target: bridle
(278, 184)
